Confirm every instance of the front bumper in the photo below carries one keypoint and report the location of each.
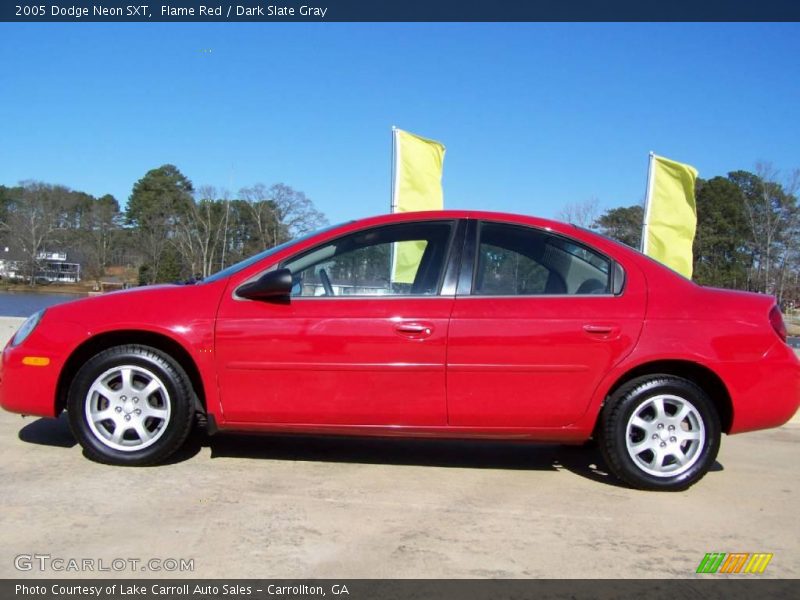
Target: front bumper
(28, 389)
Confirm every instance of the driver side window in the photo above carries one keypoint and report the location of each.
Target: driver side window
(394, 260)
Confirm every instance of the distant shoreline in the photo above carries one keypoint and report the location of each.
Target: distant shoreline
(45, 289)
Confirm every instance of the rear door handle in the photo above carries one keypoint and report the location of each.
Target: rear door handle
(414, 330)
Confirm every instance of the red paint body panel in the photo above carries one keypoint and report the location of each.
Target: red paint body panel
(333, 360)
(184, 314)
(31, 390)
(510, 367)
(535, 361)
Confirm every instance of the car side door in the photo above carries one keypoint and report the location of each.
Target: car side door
(538, 320)
(360, 341)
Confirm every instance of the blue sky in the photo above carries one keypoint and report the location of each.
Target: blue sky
(534, 116)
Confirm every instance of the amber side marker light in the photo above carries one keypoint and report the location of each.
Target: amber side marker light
(36, 361)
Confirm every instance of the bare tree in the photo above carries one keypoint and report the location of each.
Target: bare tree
(199, 231)
(770, 209)
(33, 221)
(295, 211)
(583, 214)
(262, 214)
(769, 217)
(280, 213)
(788, 247)
(226, 197)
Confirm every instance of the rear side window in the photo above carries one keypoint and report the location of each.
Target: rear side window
(521, 261)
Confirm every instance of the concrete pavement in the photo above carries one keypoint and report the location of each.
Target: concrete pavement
(8, 325)
(245, 506)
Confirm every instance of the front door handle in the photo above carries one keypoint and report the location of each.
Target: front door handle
(414, 330)
(602, 331)
(598, 329)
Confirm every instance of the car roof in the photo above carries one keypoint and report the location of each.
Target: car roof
(465, 214)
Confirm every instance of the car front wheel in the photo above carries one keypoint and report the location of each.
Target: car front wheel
(131, 405)
(660, 432)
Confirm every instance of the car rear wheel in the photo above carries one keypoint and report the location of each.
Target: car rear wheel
(660, 432)
(131, 405)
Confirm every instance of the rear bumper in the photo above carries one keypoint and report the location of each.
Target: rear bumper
(765, 393)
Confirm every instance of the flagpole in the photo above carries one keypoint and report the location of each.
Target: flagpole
(647, 198)
(392, 196)
(393, 205)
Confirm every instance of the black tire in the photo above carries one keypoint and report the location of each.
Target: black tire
(164, 418)
(626, 419)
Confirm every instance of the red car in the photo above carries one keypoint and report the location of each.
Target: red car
(453, 324)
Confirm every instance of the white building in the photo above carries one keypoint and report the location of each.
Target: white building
(51, 267)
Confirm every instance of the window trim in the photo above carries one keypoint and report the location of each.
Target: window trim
(455, 253)
(469, 266)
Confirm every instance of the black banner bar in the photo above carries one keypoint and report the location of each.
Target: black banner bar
(710, 588)
(400, 10)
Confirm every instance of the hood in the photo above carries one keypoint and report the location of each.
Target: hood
(142, 305)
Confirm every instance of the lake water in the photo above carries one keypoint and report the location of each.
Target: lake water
(20, 304)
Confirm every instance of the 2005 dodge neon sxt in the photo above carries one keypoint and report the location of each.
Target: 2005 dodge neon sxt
(443, 324)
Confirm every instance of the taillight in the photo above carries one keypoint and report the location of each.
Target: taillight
(776, 320)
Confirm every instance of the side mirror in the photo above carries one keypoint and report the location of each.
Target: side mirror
(271, 285)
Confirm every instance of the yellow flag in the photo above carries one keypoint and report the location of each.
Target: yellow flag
(417, 185)
(670, 218)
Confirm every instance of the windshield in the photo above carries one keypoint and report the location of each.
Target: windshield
(228, 271)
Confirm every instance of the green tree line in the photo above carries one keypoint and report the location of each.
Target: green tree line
(748, 232)
(168, 231)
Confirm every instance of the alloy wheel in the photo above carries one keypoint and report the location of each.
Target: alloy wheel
(128, 408)
(665, 435)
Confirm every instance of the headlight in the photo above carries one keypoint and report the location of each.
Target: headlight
(27, 328)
